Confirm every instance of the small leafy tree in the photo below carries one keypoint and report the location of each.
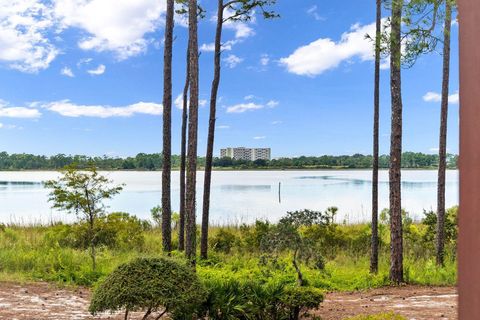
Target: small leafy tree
(288, 235)
(83, 193)
(154, 285)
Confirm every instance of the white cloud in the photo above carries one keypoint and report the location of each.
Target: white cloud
(276, 122)
(272, 103)
(325, 54)
(67, 72)
(69, 109)
(178, 102)
(232, 61)
(81, 62)
(97, 71)
(313, 11)
(120, 26)
(437, 97)
(242, 29)
(207, 47)
(8, 111)
(259, 137)
(242, 107)
(210, 47)
(264, 60)
(223, 127)
(24, 44)
(250, 106)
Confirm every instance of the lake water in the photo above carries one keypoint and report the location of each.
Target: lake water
(237, 196)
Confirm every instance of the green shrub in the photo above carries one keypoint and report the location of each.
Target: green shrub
(223, 241)
(116, 231)
(299, 300)
(256, 299)
(151, 284)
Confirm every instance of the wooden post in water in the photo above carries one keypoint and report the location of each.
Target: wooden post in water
(469, 164)
(279, 192)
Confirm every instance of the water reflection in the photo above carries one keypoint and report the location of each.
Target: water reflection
(241, 187)
(238, 195)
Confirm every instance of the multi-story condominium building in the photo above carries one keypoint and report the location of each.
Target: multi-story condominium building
(249, 154)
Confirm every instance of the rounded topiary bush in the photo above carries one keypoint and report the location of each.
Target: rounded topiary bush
(149, 284)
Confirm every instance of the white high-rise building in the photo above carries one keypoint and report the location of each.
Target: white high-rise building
(248, 154)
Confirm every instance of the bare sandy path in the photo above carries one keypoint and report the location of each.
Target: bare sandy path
(413, 302)
(41, 301)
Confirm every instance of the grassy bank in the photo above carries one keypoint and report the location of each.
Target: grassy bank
(338, 258)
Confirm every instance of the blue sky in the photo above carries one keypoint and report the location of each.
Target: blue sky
(85, 77)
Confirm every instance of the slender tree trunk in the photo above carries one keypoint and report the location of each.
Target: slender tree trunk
(167, 130)
(376, 113)
(192, 135)
(211, 132)
(396, 233)
(181, 229)
(442, 153)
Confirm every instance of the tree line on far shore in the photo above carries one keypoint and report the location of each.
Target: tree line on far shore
(143, 161)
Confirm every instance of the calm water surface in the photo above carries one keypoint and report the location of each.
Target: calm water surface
(237, 196)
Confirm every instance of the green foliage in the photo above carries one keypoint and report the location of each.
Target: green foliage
(152, 284)
(223, 241)
(379, 316)
(144, 161)
(156, 213)
(116, 231)
(451, 225)
(301, 299)
(83, 193)
(340, 259)
(254, 299)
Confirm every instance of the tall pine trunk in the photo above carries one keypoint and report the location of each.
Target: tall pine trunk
(442, 153)
(211, 133)
(376, 113)
(167, 130)
(396, 233)
(181, 228)
(190, 201)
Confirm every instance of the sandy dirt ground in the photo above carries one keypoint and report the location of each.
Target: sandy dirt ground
(416, 303)
(41, 301)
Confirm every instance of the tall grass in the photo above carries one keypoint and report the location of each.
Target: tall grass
(28, 253)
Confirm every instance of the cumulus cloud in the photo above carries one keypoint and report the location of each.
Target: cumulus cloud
(232, 61)
(437, 97)
(178, 102)
(24, 44)
(243, 107)
(223, 127)
(325, 54)
(8, 111)
(69, 109)
(276, 122)
(98, 70)
(67, 72)
(120, 26)
(259, 137)
(242, 29)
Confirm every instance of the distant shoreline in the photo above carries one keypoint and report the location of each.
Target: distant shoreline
(240, 169)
